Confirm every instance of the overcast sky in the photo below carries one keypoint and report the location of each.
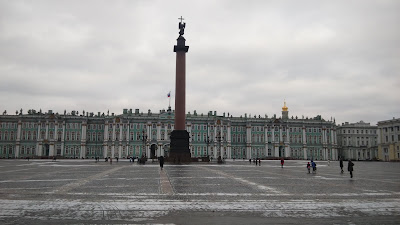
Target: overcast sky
(337, 59)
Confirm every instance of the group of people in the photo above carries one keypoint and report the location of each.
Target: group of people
(313, 165)
(257, 161)
(350, 166)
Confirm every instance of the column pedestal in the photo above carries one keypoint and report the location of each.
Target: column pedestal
(179, 151)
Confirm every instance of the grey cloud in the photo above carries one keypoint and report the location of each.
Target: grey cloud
(334, 58)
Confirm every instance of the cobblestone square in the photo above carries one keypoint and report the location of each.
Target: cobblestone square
(85, 192)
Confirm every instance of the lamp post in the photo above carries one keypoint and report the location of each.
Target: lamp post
(95, 147)
(219, 138)
(207, 141)
(144, 139)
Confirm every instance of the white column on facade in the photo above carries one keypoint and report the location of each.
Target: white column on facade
(273, 134)
(287, 144)
(105, 139)
(215, 133)
(379, 136)
(18, 139)
(63, 139)
(112, 151)
(113, 132)
(266, 135)
(55, 131)
(119, 151)
(287, 135)
(47, 131)
(280, 134)
(106, 132)
(229, 141)
(128, 134)
(104, 150)
(83, 133)
(38, 132)
(120, 133)
(276, 149)
(189, 130)
(323, 135)
(148, 130)
(19, 130)
(304, 139)
(39, 148)
(83, 151)
(333, 139)
(158, 132)
(51, 149)
(266, 140)
(287, 150)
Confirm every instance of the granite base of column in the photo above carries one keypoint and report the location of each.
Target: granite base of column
(179, 147)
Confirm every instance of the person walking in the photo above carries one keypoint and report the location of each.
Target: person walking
(259, 161)
(350, 168)
(282, 162)
(256, 161)
(314, 166)
(308, 167)
(341, 164)
(161, 162)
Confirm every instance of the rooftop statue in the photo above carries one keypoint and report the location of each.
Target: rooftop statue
(181, 26)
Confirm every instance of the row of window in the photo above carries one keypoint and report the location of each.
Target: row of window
(8, 125)
(357, 131)
(391, 129)
(392, 139)
(350, 142)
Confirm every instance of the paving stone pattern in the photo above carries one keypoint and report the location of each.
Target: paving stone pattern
(237, 192)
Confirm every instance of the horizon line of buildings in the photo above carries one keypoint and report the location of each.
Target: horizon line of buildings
(135, 134)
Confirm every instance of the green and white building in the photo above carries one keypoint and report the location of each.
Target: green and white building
(73, 135)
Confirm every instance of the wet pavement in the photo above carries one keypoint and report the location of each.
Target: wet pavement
(85, 192)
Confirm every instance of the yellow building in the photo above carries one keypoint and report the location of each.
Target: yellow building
(388, 140)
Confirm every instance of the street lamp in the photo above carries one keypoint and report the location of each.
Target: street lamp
(208, 143)
(144, 139)
(219, 138)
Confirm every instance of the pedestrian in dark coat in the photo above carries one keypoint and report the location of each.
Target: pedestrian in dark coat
(350, 168)
(161, 162)
(314, 166)
(282, 162)
(341, 165)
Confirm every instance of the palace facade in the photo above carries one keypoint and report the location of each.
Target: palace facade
(136, 134)
(357, 141)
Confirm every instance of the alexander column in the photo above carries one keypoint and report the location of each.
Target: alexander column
(179, 151)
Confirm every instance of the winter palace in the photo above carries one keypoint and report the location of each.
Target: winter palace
(137, 134)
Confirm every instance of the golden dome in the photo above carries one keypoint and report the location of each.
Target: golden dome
(284, 108)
